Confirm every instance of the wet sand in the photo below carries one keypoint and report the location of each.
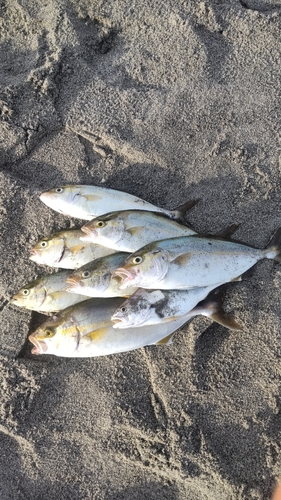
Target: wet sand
(169, 101)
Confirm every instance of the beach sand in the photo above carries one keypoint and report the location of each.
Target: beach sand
(170, 101)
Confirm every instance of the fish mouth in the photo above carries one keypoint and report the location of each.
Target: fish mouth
(73, 282)
(14, 299)
(127, 277)
(91, 233)
(39, 345)
(118, 319)
(33, 254)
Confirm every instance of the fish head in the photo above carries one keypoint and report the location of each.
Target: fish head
(104, 230)
(143, 268)
(55, 336)
(31, 296)
(48, 250)
(64, 199)
(95, 277)
(133, 312)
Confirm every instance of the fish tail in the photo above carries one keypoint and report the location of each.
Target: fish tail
(212, 307)
(273, 249)
(179, 212)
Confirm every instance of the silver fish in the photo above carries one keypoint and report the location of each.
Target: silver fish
(131, 229)
(64, 249)
(96, 278)
(87, 202)
(85, 330)
(47, 294)
(194, 261)
(150, 307)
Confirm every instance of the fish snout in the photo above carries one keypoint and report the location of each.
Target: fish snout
(73, 281)
(91, 233)
(127, 276)
(40, 347)
(118, 319)
(33, 254)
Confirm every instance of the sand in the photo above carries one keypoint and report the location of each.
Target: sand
(169, 101)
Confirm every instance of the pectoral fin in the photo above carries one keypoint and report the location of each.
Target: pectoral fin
(136, 231)
(182, 260)
(97, 335)
(77, 248)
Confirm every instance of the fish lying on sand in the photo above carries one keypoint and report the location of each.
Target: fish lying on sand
(47, 294)
(150, 307)
(193, 261)
(96, 279)
(131, 229)
(86, 330)
(87, 202)
(65, 249)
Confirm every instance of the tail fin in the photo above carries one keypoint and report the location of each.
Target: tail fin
(179, 212)
(212, 308)
(275, 246)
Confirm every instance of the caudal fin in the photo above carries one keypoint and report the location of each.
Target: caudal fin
(274, 247)
(212, 307)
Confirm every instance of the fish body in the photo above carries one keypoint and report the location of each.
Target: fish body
(194, 261)
(96, 279)
(64, 249)
(85, 330)
(129, 230)
(150, 307)
(87, 202)
(47, 294)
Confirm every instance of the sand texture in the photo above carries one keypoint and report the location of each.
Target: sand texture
(171, 101)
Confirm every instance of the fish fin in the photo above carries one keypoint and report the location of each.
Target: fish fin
(275, 245)
(134, 231)
(238, 278)
(166, 340)
(92, 197)
(96, 335)
(248, 274)
(77, 248)
(181, 210)
(183, 259)
(212, 308)
(228, 231)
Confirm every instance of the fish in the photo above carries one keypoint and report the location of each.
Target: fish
(96, 278)
(150, 307)
(86, 330)
(86, 202)
(47, 294)
(194, 261)
(64, 249)
(129, 230)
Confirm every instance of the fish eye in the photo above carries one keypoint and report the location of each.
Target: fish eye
(123, 309)
(100, 223)
(137, 260)
(48, 333)
(44, 244)
(85, 274)
(25, 292)
(59, 190)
